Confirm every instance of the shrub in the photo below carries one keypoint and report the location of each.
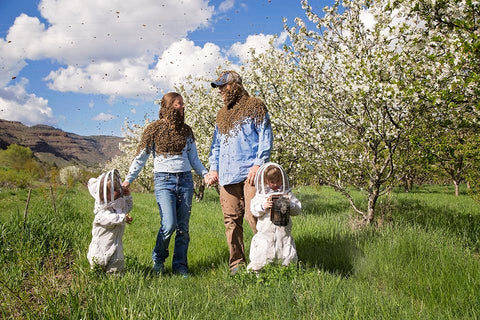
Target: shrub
(10, 178)
(69, 175)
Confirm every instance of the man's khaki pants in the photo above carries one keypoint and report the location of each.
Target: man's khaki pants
(235, 201)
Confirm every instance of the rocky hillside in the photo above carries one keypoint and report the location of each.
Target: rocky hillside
(56, 146)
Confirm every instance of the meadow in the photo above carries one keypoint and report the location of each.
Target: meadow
(421, 262)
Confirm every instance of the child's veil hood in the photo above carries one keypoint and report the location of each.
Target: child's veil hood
(260, 183)
(98, 190)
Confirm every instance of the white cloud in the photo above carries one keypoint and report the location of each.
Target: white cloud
(91, 104)
(183, 59)
(128, 78)
(226, 5)
(136, 78)
(93, 38)
(18, 105)
(104, 117)
(133, 110)
(80, 31)
(119, 48)
(10, 65)
(258, 42)
(111, 99)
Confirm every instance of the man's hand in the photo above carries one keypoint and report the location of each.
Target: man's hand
(251, 175)
(211, 178)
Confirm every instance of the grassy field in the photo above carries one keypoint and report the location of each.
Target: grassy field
(421, 263)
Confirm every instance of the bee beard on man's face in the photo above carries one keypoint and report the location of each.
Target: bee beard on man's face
(231, 95)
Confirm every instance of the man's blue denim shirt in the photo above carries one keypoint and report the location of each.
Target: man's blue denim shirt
(233, 154)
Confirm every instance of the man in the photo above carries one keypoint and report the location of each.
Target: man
(242, 142)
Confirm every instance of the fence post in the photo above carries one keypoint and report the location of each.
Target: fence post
(53, 199)
(25, 213)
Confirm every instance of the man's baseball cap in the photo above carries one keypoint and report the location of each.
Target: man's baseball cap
(227, 77)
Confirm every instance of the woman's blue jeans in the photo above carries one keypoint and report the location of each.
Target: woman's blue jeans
(174, 192)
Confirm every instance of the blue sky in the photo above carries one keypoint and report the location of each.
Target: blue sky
(84, 66)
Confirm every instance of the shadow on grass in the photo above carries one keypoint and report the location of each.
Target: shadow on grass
(133, 265)
(317, 205)
(435, 189)
(335, 255)
(457, 223)
(214, 263)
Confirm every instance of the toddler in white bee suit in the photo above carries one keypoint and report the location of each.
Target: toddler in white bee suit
(272, 205)
(112, 205)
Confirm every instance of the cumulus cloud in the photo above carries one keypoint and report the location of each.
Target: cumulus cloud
(18, 105)
(138, 78)
(120, 49)
(259, 43)
(104, 117)
(10, 64)
(105, 48)
(80, 31)
(184, 58)
(128, 77)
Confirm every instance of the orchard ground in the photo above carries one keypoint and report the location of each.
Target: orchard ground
(420, 262)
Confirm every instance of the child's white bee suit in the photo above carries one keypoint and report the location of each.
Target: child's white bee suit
(106, 248)
(272, 243)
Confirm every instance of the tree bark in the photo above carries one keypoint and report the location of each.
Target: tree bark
(372, 202)
(457, 187)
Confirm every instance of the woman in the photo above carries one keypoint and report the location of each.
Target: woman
(172, 144)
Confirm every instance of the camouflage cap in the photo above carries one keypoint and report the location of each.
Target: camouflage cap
(227, 77)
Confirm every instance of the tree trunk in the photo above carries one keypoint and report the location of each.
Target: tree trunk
(372, 201)
(457, 187)
(408, 183)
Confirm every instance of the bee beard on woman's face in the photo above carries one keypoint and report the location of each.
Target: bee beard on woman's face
(175, 116)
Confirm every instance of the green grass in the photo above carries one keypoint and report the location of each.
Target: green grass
(423, 263)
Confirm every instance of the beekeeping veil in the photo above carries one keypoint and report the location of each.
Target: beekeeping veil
(260, 181)
(280, 210)
(106, 183)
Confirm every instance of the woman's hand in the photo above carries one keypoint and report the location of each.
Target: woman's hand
(211, 178)
(126, 186)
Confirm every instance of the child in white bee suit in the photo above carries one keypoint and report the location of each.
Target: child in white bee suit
(112, 205)
(272, 205)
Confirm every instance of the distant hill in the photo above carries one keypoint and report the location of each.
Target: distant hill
(53, 145)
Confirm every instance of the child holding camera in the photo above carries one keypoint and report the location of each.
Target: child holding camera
(273, 205)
